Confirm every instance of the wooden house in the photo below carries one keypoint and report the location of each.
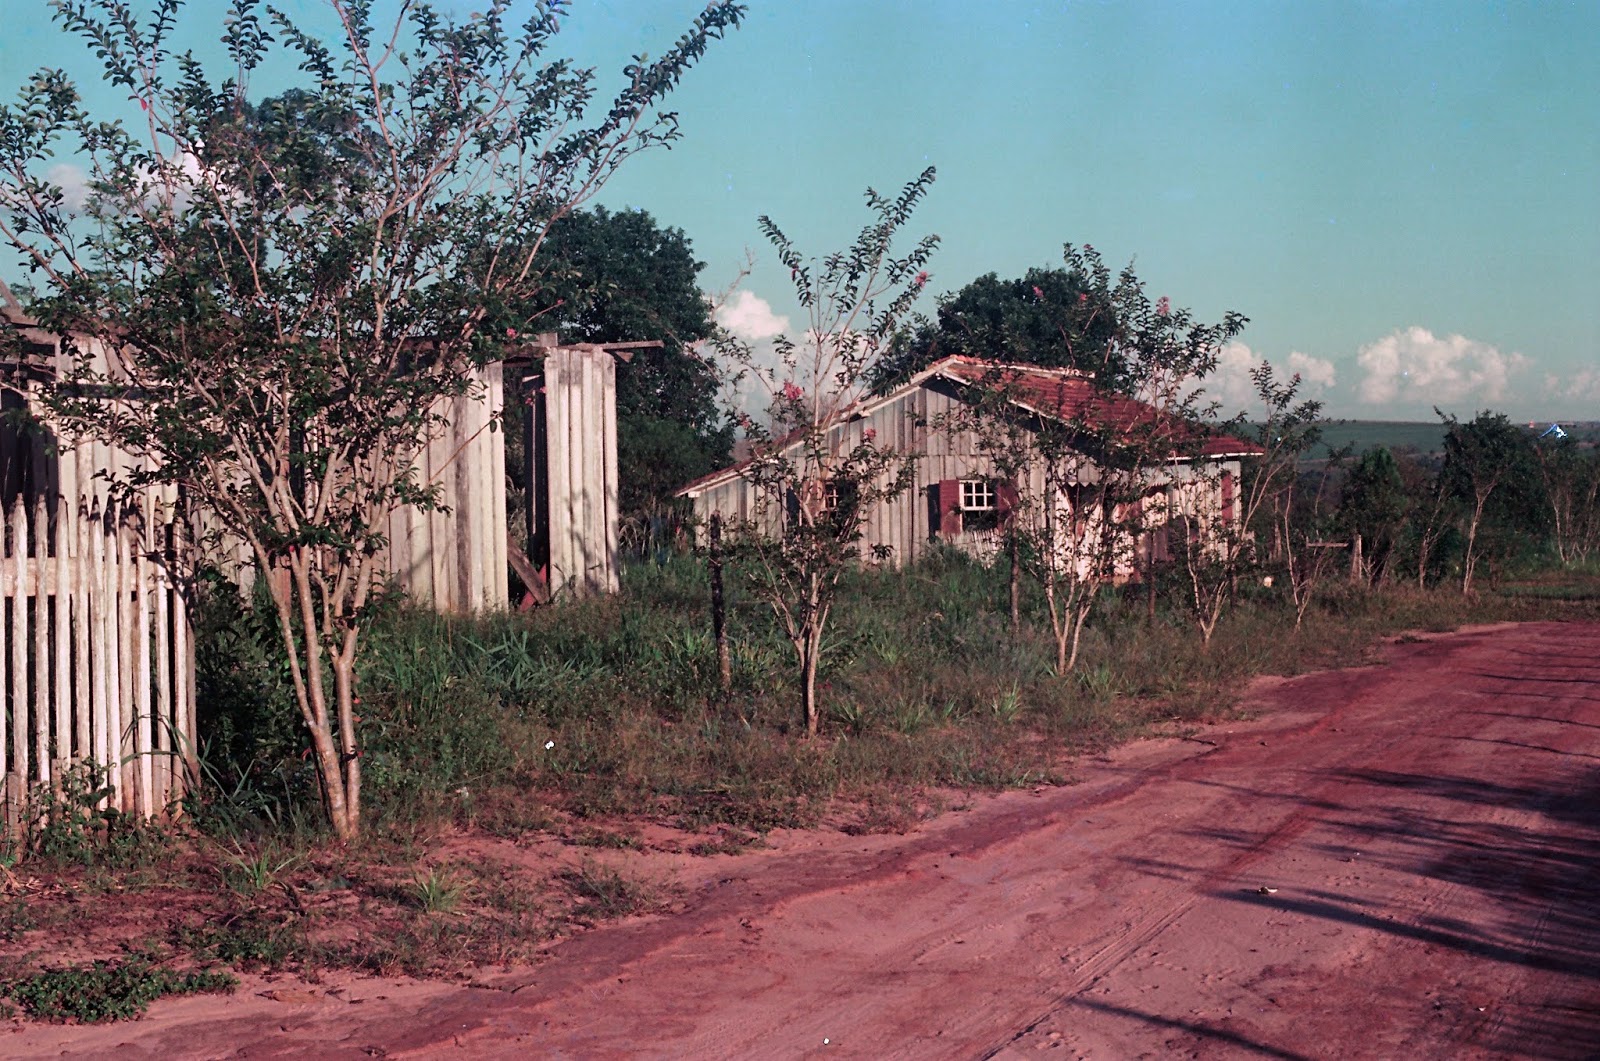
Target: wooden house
(959, 499)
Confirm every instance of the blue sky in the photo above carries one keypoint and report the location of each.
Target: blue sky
(1401, 196)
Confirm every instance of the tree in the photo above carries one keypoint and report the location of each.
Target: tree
(1081, 472)
(619, 276)
(813, 486)
(1373, 510)
(1486, 459)
(1571, 477)
(1221, 549)
(284, 293)
(1056, 318)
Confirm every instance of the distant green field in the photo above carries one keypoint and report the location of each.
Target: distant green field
(1363, 435)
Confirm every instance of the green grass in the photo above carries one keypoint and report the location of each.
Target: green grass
(611, 708)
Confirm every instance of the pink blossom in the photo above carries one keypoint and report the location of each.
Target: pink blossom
(792, 391)
(921, 279)
(1036, 292)
(868, 435)
(1163, 307)
(511, 333)
(1082, 298)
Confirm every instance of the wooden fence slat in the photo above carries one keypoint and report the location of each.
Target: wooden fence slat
(108, 663)
(62, 667)
(166, 718)
(41, 642)
(122, 705)
(183, 671)
(19, 641)
(98, 634)
(142, 721)
(82, 627)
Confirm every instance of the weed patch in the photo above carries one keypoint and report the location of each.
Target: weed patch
(604, 894)
(106, 991)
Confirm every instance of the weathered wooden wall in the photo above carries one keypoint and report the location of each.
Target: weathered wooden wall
(573, 470)
(911, 422)
(454, 557)
(916, 421)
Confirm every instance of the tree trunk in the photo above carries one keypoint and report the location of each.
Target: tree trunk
(1471, 560)
(808, 679)
(292, 599)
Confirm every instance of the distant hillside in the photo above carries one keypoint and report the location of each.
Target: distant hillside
(1363, 435)
(1422, 436)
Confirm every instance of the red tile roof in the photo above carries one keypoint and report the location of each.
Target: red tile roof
(1069, 395)
(1062, 394)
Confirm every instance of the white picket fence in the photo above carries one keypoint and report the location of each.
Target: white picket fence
(96, 651)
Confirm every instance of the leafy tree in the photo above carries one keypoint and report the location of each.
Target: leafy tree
(1056, 318)
(267, 302)
(1570, 473)
(813, 488)
(1087, 475)
(1374, 508)
(1490, 468)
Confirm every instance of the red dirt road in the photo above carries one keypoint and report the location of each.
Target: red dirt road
(1393, 861)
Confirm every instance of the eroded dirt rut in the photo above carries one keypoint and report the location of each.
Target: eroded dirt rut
(1394, 860)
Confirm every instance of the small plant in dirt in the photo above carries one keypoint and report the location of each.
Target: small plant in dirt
(258, 939)
(250, 872)
(107, 991)
(70, 823)
(606, 838)
(439, 891)
(604, 894)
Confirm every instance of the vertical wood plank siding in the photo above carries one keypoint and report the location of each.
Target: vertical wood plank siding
(454, 558)
(906, 422)
(578, 494)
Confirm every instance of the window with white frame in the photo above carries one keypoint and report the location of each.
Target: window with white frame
(979, 505)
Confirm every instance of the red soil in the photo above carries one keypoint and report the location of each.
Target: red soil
(1393, 860)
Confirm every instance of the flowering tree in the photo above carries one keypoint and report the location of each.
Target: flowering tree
(1091, 471)
(814, 478)
(284, 291)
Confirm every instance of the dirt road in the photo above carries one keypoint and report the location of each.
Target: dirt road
(1392, 861)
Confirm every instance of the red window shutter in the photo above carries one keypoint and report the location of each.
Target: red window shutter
(949, 508)
(1227, 496)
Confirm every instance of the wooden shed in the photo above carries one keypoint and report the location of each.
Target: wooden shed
(958, 500)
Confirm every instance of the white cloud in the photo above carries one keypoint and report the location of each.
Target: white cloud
(1316, 373)
(750, 317)
(1233, 388)
(1413, 365)
(1581, 386)
(74, 184)
(1230, 385)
